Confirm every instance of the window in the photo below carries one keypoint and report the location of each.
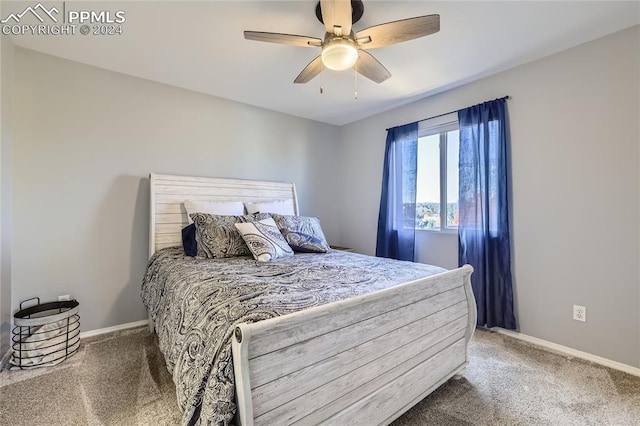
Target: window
(437, 178)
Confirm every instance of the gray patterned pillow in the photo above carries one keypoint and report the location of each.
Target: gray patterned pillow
(217, 237)
(303, 233)
(264, 240)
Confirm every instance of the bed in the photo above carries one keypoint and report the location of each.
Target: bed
(335, 338)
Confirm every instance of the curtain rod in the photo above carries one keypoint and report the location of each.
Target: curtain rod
(441, 115)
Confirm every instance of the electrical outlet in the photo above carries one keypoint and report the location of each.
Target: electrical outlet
(579, 313)
(64, 297)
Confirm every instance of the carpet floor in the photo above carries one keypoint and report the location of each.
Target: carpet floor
(121, 379)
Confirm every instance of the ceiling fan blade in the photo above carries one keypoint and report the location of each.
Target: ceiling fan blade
(314, 68)
(295, 40)
(398, 31)
(371, 68)
(336, 13)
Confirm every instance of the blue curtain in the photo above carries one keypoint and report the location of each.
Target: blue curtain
(397, 217)
(483, 228)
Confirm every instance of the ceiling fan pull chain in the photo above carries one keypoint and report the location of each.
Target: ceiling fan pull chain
(355, 72)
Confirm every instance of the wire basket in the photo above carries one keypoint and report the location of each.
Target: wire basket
(45, 334)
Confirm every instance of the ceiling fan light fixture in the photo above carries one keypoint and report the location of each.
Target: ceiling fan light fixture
(339, 54)
(342, 48)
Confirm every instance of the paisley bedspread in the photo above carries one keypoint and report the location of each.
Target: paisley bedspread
(195, 304)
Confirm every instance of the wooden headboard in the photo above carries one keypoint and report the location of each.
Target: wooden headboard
(168, 192)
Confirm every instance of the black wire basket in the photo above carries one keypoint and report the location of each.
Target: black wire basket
(45, 334)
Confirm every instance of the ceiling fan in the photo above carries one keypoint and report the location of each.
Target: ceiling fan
(342, 48)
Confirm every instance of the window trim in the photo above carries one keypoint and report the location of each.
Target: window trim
(442, 128)
(443, 182)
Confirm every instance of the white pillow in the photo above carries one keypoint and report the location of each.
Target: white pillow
(283, 207)
(222, 208)
(264, 240)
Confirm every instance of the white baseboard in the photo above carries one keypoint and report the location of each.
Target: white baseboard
(105, 330)
(570, 351)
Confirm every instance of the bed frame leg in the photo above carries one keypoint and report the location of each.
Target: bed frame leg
(460, 374)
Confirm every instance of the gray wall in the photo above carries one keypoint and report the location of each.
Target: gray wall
(85, 139)
(575, 159)
(85, 142)
(6, 96)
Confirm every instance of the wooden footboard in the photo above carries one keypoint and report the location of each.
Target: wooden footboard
(364, 360)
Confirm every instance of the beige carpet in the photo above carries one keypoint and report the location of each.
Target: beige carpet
(121, 379)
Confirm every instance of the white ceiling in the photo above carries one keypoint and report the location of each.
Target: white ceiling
(200, 46)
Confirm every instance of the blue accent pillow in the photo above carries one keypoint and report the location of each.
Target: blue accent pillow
(189, 243)
(305, 243)
(307, 232)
